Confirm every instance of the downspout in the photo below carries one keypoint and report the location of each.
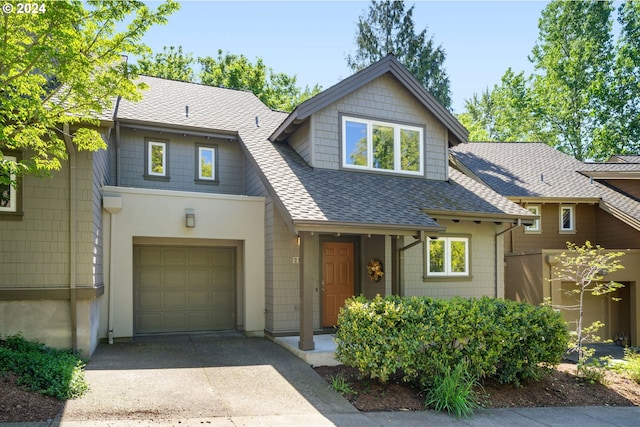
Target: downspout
(72, 236)
(401, 261)
(518, 224)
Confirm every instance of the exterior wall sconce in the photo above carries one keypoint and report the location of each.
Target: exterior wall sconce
(190, 218)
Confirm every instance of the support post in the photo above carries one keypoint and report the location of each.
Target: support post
(306, 293)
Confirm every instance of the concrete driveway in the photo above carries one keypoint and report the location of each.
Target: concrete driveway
(228, 380)
(223, 378)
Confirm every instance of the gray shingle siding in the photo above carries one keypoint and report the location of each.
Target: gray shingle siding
(182, 163)
(384, 99)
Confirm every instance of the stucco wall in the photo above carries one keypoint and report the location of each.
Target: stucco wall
(161, 214)
(385, 99)
(482, 260)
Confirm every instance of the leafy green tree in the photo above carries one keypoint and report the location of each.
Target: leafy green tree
(507, 113)
(572, 61)
(620, 133)
(388, 28)
(584, 267)
(61, 69)
(276, 90)
(171, 64)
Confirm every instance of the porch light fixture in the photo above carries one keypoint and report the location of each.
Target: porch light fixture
(190, 218)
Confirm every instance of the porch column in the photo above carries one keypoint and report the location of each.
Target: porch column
(306, 292)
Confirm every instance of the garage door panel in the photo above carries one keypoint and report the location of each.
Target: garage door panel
(175, 321)
(149, 278)
(174, 278)
(199, 300)
(181, 289)
(174, 300)
(222, 299)
(149, 300)
(149, 256)
(201, 257)
(173, 257)
(200, 278)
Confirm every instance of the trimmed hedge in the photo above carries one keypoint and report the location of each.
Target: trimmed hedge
(420, 337)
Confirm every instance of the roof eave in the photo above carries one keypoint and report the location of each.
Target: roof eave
(478, 216)
(335, 227)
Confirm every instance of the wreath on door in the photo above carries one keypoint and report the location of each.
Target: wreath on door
(375, 270)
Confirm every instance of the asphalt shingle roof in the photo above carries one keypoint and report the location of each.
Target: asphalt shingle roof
(309, 194)
(527, 170)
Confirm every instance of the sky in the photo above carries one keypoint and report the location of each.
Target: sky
(311, 39)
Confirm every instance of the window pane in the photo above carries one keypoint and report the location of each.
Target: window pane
(157, 159)
(383, 147)
(5, 196)
(206, 163)
(356, 143)
(410, 150)
(458, 256)
(436, 256)
(536, 223)
(566, 219)
(7, 191)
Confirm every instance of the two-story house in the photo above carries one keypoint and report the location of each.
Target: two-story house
(209, 211)
(575, 202)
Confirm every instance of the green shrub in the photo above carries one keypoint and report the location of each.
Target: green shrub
(631, 367)
(453, 391)
(40, 368)
(418, 336)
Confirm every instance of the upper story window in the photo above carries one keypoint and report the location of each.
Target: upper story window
(448, 256)
(567, 219)
(207, 166)
(382, 146)
(536, 223)
(8, 193)
(157, 159)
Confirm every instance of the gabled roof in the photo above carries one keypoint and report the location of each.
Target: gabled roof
(339, 198)
(389, 64)
(536, 171)
(309, 198)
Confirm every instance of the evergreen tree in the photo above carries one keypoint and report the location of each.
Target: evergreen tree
(388, 28)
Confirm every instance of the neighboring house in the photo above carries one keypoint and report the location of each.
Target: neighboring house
(219, 213)
(575, 202)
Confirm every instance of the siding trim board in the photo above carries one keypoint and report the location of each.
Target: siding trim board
(24, 294)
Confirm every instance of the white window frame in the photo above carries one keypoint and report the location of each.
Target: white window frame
(447, 257)
(536, 226)
(397, 155)
(214, 158)
(572, 218)
(13, 193)
(150, 145)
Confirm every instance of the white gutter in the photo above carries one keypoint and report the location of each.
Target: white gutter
(113, 205)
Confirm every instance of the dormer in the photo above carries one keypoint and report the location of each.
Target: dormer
(380, 120)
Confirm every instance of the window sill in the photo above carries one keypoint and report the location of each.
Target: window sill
(567, 232)
(447, 278)
(206, 181)
(533, 232)
(11, 216)
(156, 178)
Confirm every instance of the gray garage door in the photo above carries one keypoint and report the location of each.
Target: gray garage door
(182, 289)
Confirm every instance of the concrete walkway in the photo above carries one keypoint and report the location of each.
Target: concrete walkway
(230, 380)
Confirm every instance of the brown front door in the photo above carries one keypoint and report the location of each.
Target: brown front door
(337, 279)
